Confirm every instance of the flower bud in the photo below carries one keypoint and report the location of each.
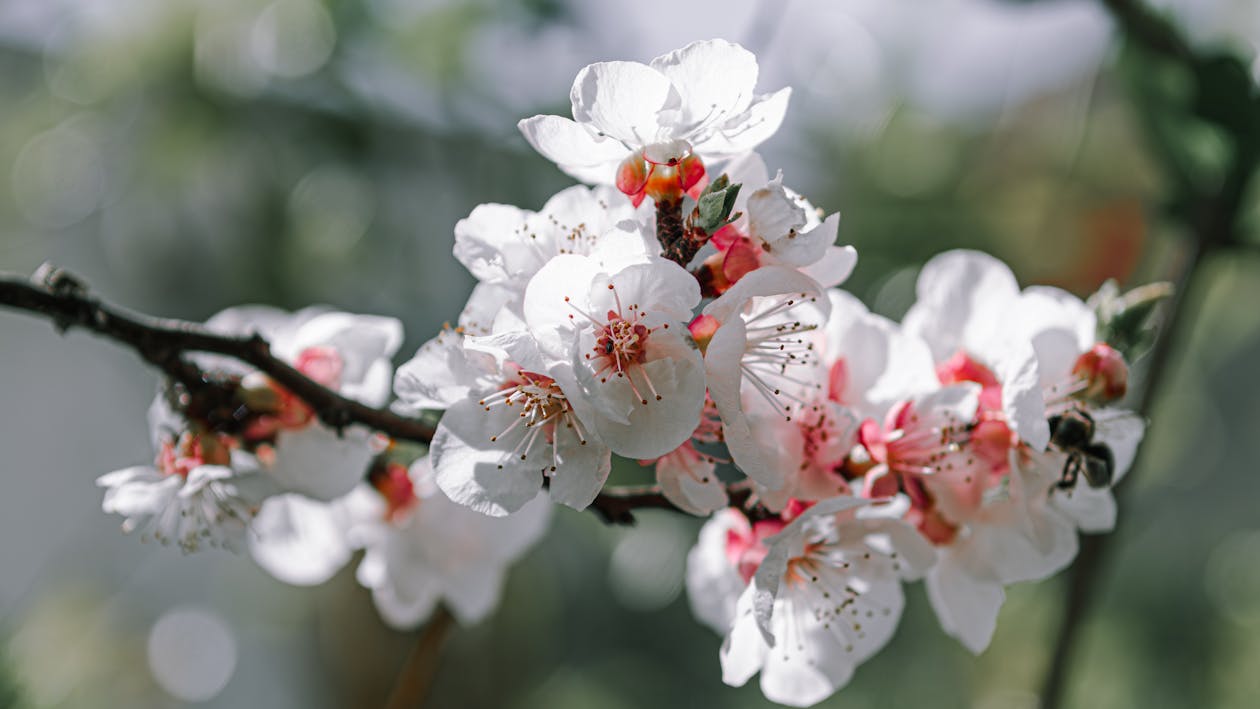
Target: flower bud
(1104, 372)
(632, 176)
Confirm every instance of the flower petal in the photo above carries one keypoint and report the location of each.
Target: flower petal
(714, 78)
(299, 541)
(624, 100)
(966, 605)
(477, 472)
(962, 300)
(574, 149)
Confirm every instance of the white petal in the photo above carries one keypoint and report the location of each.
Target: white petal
(443, 372)
(488, 304)
(748, 170)
(744, 649)
(713, 584)
(483, 474)
(360, 340)
(1014, 557)
(1015, 366)
(299, 541)
(555, 293)
(138, 491)
(403, 608)
(882, 364)
(320, 463)
(1093, 511)
(916, 553)
(574, 149)
(962, 300)
(473, 591)
(246, 319)
(653, 429)
(722, 365)
(715, 79)
(967, 606)
(691, 484)
(835, 266)
(581, 470)
(624, 100)
(1060, 325)
(746, 131)
(494, 244)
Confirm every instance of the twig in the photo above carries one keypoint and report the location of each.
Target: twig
(416, 676)
(1213, 224)
(616, 505)
(1083, 575)
(165, 343)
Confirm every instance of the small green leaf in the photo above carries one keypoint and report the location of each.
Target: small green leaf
(1128, 321)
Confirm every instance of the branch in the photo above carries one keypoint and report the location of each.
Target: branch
(416, 676)
(1213, 224)
(616, 505)
(166, 343)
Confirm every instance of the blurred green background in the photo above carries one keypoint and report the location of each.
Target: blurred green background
(183, 156)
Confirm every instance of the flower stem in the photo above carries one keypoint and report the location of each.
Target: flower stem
(416, 677)
(1212, 224)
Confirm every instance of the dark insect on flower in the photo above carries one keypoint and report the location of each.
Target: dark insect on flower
(1073, 433)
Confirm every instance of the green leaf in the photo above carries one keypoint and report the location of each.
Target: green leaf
(1128, 321)
(713, 209)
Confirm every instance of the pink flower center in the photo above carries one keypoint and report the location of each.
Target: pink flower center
(542, 405)
(962, 368)
(621, 341)
(190, 451)
(911, 445)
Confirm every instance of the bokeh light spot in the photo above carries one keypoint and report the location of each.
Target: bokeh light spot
(192, 653)
(647, 565)
(293, 38)
(1232, 579)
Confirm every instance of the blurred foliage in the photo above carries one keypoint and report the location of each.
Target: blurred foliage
(10, 688)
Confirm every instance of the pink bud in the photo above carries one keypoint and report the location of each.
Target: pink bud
(1105, 373)
(632, 175)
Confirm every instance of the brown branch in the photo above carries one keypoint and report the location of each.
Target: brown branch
(166, 343)
(416, 676)
(616, 505)
(1213, 225)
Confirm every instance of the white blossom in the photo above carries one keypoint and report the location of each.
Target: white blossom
(616, 344)
(696, 100)
(825, 598)
(350, 354)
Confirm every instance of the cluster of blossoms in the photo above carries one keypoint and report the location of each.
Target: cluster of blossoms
(682, 312)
